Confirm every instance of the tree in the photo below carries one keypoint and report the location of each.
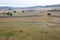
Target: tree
(10, 14)
(49, 14)
(7, 14)
(23, 11)
(14, 11)
(3, 13)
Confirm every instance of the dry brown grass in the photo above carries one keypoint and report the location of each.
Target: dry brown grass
(16, 29)
(22, 31)
(24, 19)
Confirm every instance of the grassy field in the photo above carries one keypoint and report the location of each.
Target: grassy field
(29, 29)
(25, 13)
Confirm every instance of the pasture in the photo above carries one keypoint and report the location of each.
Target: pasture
(30, 28)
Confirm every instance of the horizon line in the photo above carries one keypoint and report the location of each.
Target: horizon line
(25, 5)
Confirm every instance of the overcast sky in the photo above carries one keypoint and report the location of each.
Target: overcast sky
(25, 3)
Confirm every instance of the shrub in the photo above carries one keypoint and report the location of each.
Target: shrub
(14, 11)
(49, 14)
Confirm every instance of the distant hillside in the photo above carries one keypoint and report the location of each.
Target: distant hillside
(58, 5)
(6, 7)
(28, 8)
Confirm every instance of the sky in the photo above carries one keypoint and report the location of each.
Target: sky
(26, 3)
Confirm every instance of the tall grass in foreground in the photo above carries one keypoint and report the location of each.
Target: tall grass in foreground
(23, 31)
